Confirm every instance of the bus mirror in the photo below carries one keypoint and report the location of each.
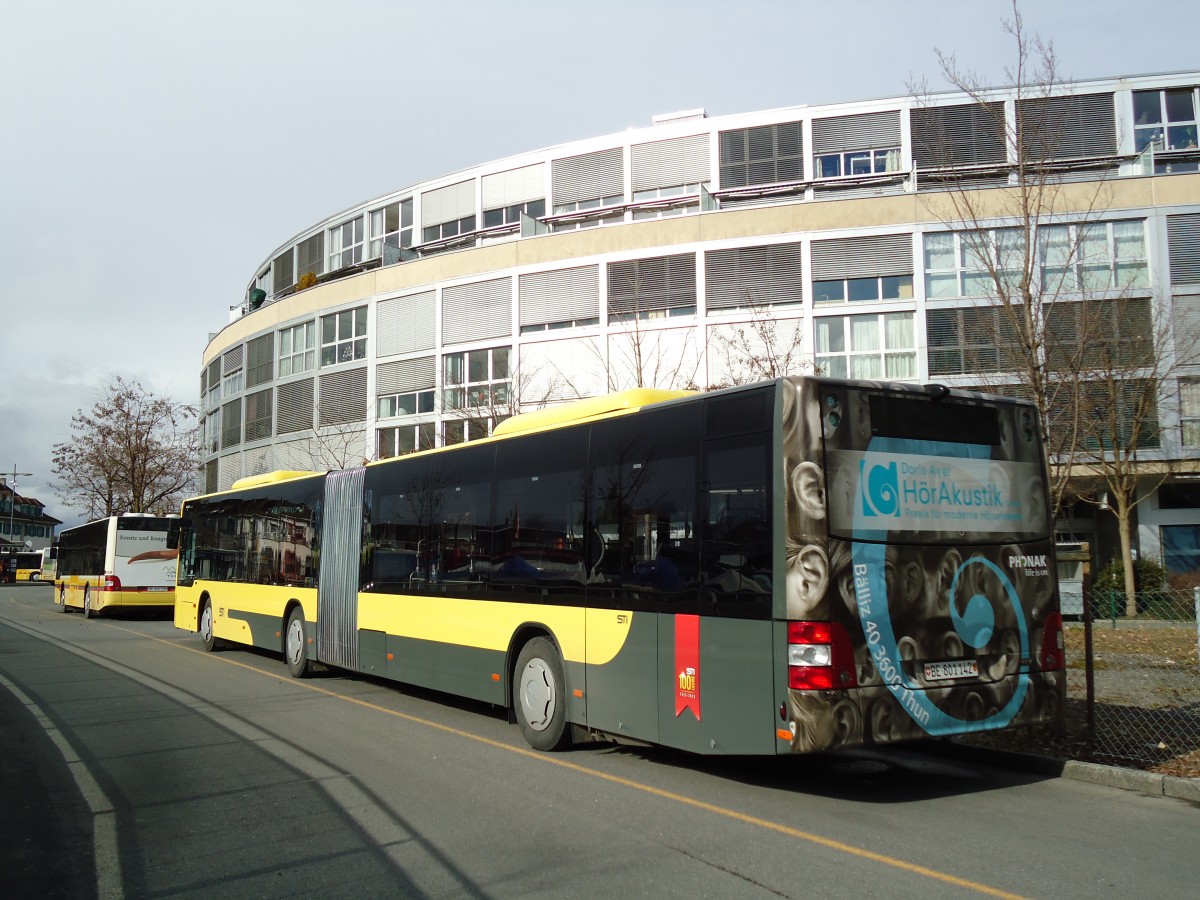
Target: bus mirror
(173, 534)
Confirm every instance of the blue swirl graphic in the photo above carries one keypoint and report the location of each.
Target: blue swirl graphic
(975, 624)
(880, 489)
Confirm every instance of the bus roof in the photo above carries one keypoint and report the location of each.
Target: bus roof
(251, 481)
(584, 410)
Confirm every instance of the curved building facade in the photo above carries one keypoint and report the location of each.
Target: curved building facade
(706, 250)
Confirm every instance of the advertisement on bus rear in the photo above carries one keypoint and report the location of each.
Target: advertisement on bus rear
(144, 561)
(918, 535)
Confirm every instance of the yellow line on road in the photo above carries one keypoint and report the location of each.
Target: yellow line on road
(682, 799)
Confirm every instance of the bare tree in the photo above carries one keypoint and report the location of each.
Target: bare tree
(763, 348)
(1061, 326)
(132, 452)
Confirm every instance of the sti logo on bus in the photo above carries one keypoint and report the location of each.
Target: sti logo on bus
(880, 489)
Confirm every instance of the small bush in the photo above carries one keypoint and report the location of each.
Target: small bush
(1149, 581)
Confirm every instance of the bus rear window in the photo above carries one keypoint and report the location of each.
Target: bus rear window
(915, 418)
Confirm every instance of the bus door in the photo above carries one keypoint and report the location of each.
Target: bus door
(341, 545)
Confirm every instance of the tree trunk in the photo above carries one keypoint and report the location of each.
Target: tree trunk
(1123, 513)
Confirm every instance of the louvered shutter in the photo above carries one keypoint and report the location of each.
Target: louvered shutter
(514, 186)
(231, 423)
(862, 132)
(294, 406)
(862, 257)
(658, 282)
(448, 204)
(258, 415)
(231, 360)
(741, 276)
(310, 255)
(963, 135)
(282, 269)
(405, 375)
(229, 470)
(1068, 127)
(587, 177)
(405, 324)
(1186, 321)
(343, 397)
(562, 296)
(473, 312)
(666, 163)
(1183, 243)
(260, 360)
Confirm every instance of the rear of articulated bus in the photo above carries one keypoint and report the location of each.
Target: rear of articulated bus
(140, 566)
(921, 585)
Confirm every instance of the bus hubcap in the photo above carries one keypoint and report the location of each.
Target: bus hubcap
(295, 641)
(537, 694)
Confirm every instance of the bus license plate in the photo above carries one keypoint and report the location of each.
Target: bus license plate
(947, 671)
(156, 589)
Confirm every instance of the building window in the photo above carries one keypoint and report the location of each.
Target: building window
(511, 215)
(344, 336)
(960, 264)
(858, 162)
(1097, 256)
(461, 431)
(409, 403)
(768, 154)
(555, 326)
(232, 383)
(975, 339)
(346, 244)
(297, 349)
(1189, 411)
(875, 346)
(863, 290)
(1165, 120)
(405, 439)
(476, 379)
(666, 194)
(392, 225)
(1181, 551)
(450, 229)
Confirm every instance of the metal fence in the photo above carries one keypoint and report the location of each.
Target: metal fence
(1136, 679)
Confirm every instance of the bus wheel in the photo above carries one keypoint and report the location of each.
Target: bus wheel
(62, 600)
(539, 700)
(295, 644)
(206, 626)
(87, 603)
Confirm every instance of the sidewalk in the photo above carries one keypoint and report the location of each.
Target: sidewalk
(45, 825)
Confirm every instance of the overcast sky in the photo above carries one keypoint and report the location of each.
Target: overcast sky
(154, 153)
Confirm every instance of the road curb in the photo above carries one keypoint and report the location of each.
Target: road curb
(1150, 783)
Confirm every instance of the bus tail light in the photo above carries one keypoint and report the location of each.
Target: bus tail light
(1053, 655)
(820, 657)
(111, 583)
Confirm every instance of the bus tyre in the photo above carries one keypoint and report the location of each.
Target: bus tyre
(295, 644)
(87, 603)
(62, 599)
(206, 626)
(539, 699)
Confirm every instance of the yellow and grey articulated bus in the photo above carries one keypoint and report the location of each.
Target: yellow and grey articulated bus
(801, 564)
(116, 561)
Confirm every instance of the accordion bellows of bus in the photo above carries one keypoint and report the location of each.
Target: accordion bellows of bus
(797, 565)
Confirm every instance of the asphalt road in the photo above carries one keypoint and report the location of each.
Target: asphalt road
(137, 765)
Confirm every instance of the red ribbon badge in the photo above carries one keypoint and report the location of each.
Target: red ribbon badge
(687, 665)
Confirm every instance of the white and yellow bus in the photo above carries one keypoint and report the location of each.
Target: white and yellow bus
(117, 561)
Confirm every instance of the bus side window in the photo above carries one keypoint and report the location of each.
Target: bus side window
(736, 539)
